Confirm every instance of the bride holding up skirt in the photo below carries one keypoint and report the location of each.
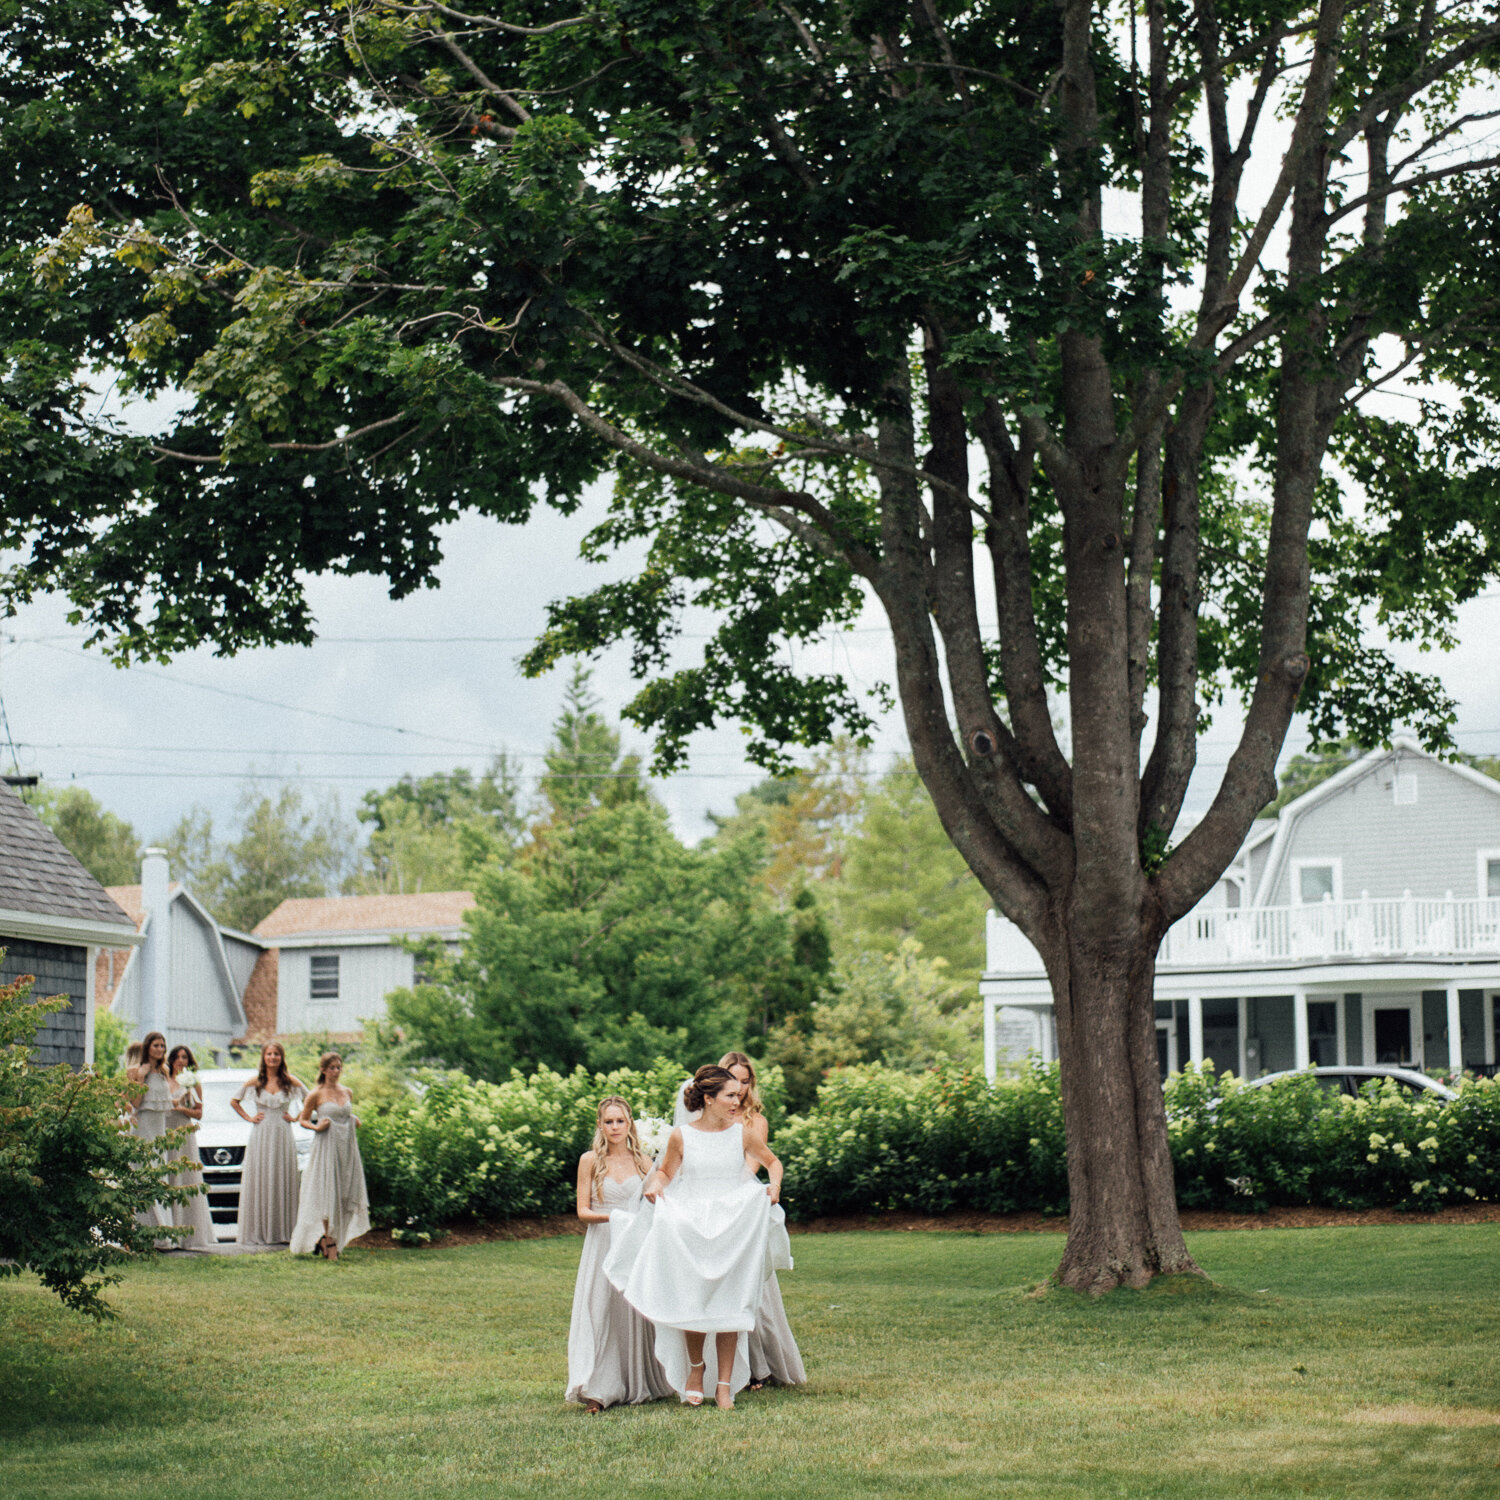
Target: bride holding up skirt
(696, 1263)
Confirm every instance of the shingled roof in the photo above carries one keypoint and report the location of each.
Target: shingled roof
(425, 911)
(40, 877)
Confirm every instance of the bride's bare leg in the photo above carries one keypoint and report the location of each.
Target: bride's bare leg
(724, 1344)
(695, 1362)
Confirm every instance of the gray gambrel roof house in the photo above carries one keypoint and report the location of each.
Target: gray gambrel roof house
(53, 916)
(1360, 926)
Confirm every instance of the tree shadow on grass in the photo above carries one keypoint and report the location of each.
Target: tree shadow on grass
(66, 1373)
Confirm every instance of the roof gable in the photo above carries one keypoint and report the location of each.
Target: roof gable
(40, 876)
(1367, 765)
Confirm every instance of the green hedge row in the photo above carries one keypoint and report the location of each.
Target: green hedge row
(452, 1148)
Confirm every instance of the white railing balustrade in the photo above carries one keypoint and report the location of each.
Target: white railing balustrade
(1363, 928)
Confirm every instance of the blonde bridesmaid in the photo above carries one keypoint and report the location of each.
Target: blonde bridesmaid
(773, 1351)
(335, 1205)
(187, 1109)
(611, 1358)
(268, 1180)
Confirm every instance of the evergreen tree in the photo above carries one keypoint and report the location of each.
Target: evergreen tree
(903, 879)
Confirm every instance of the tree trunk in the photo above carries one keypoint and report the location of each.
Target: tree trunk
(1123, 1226)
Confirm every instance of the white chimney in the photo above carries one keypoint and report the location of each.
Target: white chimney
(156, 951)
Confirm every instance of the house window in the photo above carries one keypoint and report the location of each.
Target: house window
(1492, 878)
(324, 976)
(1405, 788)
(1315, 882)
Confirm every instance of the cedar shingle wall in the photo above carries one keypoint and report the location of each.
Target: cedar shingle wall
(59, 970)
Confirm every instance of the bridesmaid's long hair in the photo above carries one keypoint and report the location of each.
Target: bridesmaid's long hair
(146, 1063)
(601, 1147)
(750, 1099)
(323, 1062)
(707, 1082)
(285, 1083)
(186, 1051)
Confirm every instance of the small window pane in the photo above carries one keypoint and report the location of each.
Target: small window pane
(325, 976)
(1315, 882)
(1492, 877)
(1406, 789)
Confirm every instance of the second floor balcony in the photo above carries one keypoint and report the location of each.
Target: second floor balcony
(1405, 926)
(1364, 929)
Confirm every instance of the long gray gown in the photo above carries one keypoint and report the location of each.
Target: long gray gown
(611, 1353)
(194, 1213)
(269, 1190)
(334, 1199)
(150, 1123)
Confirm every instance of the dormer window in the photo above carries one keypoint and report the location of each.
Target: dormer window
(1315, 881)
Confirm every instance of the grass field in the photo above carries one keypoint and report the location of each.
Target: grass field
(1325, 1362)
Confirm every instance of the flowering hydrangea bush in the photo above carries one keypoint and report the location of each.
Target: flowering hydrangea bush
(448, 1148)
(1297, 1144)
(927, 1143)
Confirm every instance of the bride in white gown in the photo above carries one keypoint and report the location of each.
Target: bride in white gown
(771, 1347)
(696, 1262)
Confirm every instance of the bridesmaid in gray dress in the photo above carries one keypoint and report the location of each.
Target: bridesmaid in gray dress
(149, 1116)
(773, 1351)
(187, 1109)
(611, 1347)
(335, 1206)
(268, 1179)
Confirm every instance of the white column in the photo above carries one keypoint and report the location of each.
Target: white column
(1239, 1023)
(156, 951)
(1299, 1029)
(90, 957)
(1455, 1033)
(1195, 1028)
(989, 1037)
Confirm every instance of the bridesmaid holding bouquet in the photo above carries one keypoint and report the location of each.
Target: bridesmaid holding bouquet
(187, 1109)
(335, 1205)
(268, 1181)
(611, 1360)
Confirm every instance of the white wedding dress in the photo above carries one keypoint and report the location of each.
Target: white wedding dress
(771, 1348)
(697, 1261)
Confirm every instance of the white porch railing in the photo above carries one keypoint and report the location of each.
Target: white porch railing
(1365, 928)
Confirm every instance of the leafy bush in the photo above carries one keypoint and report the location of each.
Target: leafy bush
(448, 1147)
(1295, 1144)
(72, 1177)
(929, 1143)
(452, 1147)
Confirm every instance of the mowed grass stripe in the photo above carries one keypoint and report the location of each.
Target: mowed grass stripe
(1323, 1362)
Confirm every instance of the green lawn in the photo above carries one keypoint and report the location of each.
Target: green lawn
(1328, 1362)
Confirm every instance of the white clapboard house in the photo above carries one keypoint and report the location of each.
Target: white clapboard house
(1361, 925)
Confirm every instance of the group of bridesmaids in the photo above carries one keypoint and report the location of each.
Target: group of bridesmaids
(317, 1211)
(681, 1249)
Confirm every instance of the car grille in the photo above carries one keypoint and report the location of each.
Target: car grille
(221, 1156)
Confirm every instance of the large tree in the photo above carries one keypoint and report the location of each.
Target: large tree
(1058, 331)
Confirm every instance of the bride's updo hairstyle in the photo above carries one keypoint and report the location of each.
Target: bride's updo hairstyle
(750, 1099)
(707, 1083)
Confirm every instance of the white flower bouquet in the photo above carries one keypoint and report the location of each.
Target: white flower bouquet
(652, 1134)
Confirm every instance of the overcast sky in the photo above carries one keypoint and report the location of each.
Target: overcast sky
(429, 683)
